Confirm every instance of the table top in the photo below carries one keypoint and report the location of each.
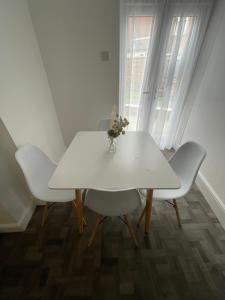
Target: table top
(137, 163)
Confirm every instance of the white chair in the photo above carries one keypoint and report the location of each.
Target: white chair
(186, 163)
(112, 204)
(104, 124)
(37, 169)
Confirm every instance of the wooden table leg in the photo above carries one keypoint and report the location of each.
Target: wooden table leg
(79, 207)
(148, 209)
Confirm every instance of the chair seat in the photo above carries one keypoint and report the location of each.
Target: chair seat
(49, 195)
(167, 194)
(112, 204)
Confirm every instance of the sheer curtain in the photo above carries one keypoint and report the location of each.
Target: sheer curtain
(159, 46)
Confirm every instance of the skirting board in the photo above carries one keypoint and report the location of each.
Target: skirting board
(21, 225)
(212, 198)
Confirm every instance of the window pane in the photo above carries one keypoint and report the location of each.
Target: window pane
(139, 31)
(171, 70)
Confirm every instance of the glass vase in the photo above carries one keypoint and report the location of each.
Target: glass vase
(112, 145)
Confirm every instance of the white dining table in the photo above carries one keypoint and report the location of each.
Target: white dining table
(136, 163)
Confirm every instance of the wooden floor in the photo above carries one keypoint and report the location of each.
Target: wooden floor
(54, 262)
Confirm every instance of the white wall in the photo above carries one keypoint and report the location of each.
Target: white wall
(26, 104)
(71, 35)
(207, 121)
(26, 108)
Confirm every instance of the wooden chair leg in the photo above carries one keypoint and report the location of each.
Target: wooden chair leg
(84, 221)
(177, 212)
(74, 206)
(44, 215)
(84, 195)
(141, 217)
(97, 221)
(131, 231)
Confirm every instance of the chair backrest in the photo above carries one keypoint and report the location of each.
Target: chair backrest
(186, 163)
(104, 124)
(36, 166)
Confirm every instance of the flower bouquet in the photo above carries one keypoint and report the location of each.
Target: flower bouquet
(117, 128)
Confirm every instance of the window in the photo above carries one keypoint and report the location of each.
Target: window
(160, 43)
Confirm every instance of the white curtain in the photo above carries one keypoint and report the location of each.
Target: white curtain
(160, 42)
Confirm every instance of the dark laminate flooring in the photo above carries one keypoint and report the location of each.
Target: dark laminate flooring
(54, 263)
